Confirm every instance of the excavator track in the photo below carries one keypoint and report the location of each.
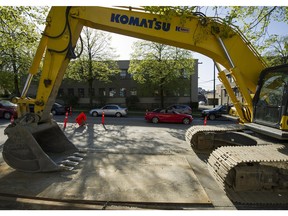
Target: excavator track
(252, 174)
(202, 138)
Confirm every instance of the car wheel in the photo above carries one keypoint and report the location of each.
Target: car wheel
(186, 121)
(54, 112)
(7, 115)
(118, 114)
(212, 117)
(155, 120)
(94, 114)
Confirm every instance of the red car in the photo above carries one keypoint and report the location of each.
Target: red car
(163, 115)
(7, 109)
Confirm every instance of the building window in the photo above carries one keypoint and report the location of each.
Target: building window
(60, 92)
(133, 91)
(123, 74)
(186, 92)
(122, 92)
(176, 92)
(131, 74)
(91, 92)
(184, 74)
(81, 93)
(236, 92)
(70, 92)
(102, 92)
(112, 92)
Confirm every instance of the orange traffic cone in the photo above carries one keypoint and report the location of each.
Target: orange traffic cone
(103, 118)
(65, 120)
(205, 120)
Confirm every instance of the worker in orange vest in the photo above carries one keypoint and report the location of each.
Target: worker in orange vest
(81, 119)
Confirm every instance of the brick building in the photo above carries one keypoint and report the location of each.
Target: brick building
(123, 87)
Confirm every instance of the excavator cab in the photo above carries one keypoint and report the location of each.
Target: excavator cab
(38, 147)
(270, 101)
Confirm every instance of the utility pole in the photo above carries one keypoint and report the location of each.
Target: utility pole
(214, 92)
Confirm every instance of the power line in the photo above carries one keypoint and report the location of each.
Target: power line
(206, 81)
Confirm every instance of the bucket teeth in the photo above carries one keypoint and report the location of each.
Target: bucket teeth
(79, 154)
(67, 168)
(69, 163)
(74, 158)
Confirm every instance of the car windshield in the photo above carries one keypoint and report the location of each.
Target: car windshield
(217, 108)
(156, 110)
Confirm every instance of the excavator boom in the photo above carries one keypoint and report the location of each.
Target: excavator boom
(210, 37)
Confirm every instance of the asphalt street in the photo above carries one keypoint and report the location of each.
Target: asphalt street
(129, 162)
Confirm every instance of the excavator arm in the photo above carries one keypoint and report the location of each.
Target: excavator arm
(208, 36)
(32, 151)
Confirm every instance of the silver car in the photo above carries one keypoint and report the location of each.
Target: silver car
(109, 110)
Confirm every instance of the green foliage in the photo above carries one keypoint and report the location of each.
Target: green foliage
(171, 11)
(101, 70)
(278, 52)
(6, 87)
(254, 22)
(97, 59)
(19, 33)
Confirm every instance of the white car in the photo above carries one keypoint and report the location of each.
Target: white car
(109, 110)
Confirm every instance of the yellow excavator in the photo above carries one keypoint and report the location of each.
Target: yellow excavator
(257, 160)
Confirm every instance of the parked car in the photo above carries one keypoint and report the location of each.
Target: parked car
(202, 103)
(109, 110)
(163, 115)
(216, 112)
(180, 108)
(57, 109)
(7, 109)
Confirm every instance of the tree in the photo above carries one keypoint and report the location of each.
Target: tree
(159, 64)
(278, 52)
(96, 61)
(19, 34)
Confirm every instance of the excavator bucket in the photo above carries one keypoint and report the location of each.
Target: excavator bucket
(37, 147)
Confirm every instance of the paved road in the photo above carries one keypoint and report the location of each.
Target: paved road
(128, 161)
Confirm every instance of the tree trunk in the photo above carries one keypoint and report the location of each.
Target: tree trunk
(90, 79)
(90, 83)
(162, 96)
(15, 72)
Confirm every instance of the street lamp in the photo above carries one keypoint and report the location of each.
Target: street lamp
(214, 92)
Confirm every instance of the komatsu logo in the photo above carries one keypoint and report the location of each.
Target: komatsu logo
(144, 23)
